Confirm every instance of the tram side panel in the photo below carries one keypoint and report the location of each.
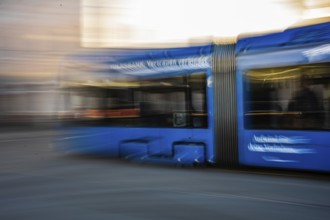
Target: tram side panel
(163, 115)
(283, 99)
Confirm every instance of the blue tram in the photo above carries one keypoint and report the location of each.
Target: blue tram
(262, 101)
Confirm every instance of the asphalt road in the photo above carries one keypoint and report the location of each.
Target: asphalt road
(37, 182)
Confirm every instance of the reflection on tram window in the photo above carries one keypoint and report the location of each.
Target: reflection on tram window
(295, 97)
(147, 103)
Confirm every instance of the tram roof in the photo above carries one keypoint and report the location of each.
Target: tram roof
(292, 37)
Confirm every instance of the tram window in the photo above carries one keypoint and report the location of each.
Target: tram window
(295, 97)
(164, 99)
(149, 103)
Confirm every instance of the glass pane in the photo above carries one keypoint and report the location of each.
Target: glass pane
(295, 97)
(149, 103)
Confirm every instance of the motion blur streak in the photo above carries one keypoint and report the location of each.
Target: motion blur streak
(137, 23)
(36, 36)
(130, 22)
(39, 182)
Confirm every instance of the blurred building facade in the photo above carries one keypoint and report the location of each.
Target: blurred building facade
(35, 37)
